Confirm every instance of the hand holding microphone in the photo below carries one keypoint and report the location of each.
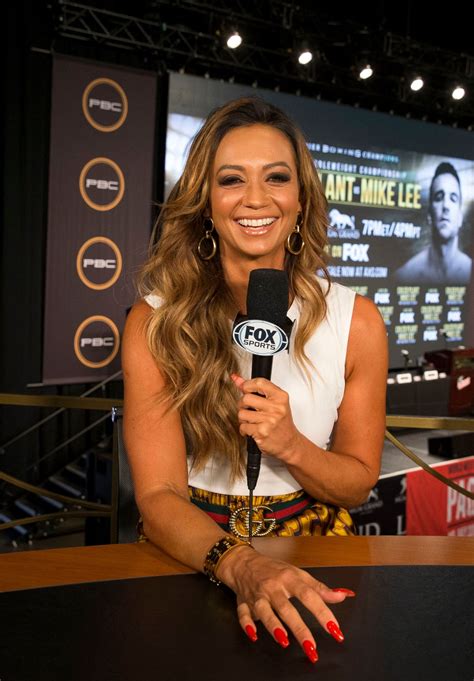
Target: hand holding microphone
(265, 415)
(264, 332)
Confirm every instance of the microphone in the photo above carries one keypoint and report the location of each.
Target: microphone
(263, 332)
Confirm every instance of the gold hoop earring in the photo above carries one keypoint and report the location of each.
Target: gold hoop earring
(295, 236)
(209, 227)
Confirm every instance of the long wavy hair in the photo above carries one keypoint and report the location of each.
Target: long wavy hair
(189, 334)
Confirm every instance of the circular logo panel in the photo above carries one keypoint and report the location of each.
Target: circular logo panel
(259, 337)
(96, 341)
(105, 104)
(99, 263)
(102, 184)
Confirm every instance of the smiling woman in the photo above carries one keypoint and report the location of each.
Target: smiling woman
(254, 199)
(250, 198)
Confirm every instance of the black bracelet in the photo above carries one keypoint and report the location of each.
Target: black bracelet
(217, 552)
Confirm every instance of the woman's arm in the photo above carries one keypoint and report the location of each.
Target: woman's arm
(345, 475)
(156, 450)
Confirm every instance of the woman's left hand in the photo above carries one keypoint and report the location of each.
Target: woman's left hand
(266, 417)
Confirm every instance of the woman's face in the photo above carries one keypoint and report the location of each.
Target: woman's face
(254, 196)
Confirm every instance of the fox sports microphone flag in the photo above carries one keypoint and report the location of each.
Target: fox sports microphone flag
(264, 333)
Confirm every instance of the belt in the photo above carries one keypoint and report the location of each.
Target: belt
(265, 516)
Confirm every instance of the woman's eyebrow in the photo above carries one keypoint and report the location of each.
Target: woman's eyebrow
(265, 167)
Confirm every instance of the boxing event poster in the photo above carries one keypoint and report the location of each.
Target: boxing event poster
(400, 232)
(100, 188)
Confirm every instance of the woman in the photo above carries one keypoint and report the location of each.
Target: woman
(249, 198)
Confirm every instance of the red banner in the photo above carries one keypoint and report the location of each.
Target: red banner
(433, 508)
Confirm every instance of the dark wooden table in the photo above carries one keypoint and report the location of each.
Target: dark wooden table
(31, 569)
(126, 612)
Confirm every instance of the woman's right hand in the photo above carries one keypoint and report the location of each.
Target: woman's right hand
(264, 587)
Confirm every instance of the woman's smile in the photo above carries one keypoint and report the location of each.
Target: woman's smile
(256, 226)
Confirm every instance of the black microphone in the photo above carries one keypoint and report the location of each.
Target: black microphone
(264, 332)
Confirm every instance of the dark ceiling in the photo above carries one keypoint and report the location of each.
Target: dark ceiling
(397, 38)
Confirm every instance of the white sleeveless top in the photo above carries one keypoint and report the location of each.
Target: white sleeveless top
(313, 403)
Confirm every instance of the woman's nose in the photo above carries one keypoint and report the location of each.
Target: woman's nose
(255, 195)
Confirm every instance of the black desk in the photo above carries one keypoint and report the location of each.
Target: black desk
(407, 622)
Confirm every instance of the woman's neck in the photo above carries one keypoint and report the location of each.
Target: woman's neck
(237, 278)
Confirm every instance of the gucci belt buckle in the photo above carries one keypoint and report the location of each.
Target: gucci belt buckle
(239, 522)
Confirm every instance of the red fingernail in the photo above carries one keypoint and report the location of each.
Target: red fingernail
(310, 651)
(251, 633)
(335, 631)
(348, 592)
(281, 637)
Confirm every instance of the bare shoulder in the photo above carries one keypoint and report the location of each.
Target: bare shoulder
(367, 337)
(137, 318)
(136, 355)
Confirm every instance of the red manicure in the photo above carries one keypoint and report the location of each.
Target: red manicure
(348, 592)
(281, 637)
(251, 633)
(310, 651)
(335, 631)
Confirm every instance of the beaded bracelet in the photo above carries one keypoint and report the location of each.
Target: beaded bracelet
(217, 552)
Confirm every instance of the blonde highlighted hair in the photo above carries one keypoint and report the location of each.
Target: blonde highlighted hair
(189, 334)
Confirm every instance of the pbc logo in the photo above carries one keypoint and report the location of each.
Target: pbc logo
(102, 184)
(105, 104)
(99, 263)
(259, 337)
(355, 252)
(96, 341)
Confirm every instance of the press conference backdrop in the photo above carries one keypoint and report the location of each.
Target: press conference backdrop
(100, 187)
(376, 171)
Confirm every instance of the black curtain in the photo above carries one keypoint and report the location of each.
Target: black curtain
(24, 165)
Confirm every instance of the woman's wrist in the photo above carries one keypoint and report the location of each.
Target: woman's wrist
(219, 552)
(232, 563)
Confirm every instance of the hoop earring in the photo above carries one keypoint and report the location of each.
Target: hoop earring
(207, 238)
(295, 235)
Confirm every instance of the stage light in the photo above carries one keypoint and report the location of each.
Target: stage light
(366, 72)
(458, 92)
(234, 40)
(417, 83)
(305, 57)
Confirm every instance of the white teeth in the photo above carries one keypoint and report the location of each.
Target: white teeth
(256, 223)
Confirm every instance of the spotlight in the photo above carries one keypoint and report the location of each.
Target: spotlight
(458, 92)
(305, 57)
(417, 83)
(234, 40)
(366, 72)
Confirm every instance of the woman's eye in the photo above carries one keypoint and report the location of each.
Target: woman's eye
(229, 180)
(279, 177)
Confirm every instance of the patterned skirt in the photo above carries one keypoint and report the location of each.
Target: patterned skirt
(285, 515)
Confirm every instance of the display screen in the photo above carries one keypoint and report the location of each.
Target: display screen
(401, 206)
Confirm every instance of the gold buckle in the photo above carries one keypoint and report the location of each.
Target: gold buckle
(239, 522)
